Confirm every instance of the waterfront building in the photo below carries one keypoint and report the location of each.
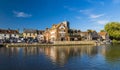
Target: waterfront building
(89, 35)
(58, 32)
(30, 33)
(104, 35)
(47, 35)
(74, 35)
(86, 35)
(8, 34)
(40, 35)
(94, 35)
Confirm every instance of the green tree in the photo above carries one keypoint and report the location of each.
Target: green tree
(113, 29)
(89, 30)
(102, 30)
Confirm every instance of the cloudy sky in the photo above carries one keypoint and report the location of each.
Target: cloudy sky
(39, 14)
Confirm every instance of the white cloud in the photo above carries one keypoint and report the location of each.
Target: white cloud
(21, 14)
(86, 11)
(116, 1)
(89, 13)
(102, 21)
(96, 16)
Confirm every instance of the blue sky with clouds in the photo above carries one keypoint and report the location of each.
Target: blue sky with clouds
(39, 14)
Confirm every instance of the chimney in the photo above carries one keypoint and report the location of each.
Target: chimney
(47, 28)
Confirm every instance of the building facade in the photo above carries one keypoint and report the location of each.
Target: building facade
(74, 35)
(8, 34)
(30, 33)
(58, 32)
(104, 35)
(40, 36)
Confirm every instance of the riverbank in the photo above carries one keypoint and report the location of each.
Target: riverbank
(115, 42)
(57, 43)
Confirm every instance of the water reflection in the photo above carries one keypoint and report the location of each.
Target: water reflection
(62, 54)
(58, 55)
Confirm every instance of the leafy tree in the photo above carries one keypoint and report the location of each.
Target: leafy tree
(102, 30)
(113, 29)
(90, 31)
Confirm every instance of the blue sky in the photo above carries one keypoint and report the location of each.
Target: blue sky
(39, 14)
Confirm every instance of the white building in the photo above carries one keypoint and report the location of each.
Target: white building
(7, 34)
(40, 35)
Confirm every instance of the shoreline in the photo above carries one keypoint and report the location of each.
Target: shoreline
(40, 45)
(64, 43)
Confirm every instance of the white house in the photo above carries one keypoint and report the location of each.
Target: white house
(7, 34)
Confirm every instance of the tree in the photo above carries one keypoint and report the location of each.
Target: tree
(102, 30)
(113, 29)
(89, 30)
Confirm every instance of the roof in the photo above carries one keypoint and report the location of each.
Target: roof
(102, 33)
(3, 31)
(30, 31)
(54, 26)
(86, 33)
(40, 31)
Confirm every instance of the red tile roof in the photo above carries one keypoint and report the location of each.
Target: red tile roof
(102, 33)
(3, 31)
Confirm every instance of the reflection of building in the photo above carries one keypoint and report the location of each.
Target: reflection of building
(60, 55)
(30, 33)
(7, 34)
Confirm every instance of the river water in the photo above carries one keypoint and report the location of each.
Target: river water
(83, 57)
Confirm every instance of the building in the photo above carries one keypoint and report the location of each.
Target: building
(86, 35)
(74, 35)
(8, 34)
(40, 35)
(30, 33)
(94, 35)
(104, 35)
(58, 32)
(47, 35)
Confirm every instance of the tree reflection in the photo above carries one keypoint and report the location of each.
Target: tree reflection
(113, 54)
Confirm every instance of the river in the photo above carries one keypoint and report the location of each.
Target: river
(83, 57)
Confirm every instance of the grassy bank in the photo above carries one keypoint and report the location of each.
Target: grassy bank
(115, 42)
